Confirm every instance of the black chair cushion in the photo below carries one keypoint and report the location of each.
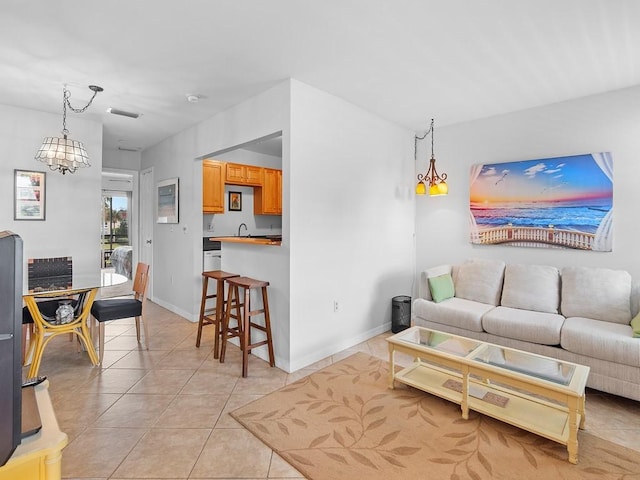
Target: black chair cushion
(47, 308)
(115, 308)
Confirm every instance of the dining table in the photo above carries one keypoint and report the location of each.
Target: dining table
(74, 295)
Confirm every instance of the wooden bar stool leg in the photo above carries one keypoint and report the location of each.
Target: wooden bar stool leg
(246, 333)
(267, 325)
(205, 289)
(233, 294)
(219, 315)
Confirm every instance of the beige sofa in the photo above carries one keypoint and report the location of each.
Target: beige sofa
(579, 314)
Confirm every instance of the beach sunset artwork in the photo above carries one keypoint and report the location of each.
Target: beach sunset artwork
(562, 202)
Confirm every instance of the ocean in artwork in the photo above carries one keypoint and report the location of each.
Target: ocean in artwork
(564, 202)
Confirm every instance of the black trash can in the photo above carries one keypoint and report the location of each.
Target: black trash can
(400, 313)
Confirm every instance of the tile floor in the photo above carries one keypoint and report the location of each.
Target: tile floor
(163, 413)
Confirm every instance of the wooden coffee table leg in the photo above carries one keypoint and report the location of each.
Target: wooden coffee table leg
(392, 366)
(572, 442)
(464, 404)
(582, 412)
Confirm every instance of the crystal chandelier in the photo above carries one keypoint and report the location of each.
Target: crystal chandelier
(64, 154)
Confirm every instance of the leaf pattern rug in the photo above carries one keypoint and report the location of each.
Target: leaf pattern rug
(343, 422)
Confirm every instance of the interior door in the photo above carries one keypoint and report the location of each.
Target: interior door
(147, 221)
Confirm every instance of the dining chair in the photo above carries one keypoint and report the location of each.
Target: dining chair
(47, 328)
(44, 273)
(118, 308)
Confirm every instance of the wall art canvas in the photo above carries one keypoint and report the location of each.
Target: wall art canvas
(562, 202)
(168, 201)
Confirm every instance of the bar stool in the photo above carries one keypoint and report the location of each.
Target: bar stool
(215, 315)
(243, 330)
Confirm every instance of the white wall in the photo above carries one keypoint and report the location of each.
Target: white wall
(607, 122)
(352, 223)
(347, 223)
(121, 159)
(177, 249)
(73, 201)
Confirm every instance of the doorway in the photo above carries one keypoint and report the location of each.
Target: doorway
(119, 222)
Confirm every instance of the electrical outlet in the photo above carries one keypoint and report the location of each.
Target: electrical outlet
(335, 306)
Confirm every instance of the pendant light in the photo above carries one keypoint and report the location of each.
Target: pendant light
(437, 184)
(64, 154)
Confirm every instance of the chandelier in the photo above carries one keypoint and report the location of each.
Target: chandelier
(64, 154)
(437, 184)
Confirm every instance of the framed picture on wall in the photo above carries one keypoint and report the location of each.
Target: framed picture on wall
(29, 195)
(235, 201)
(168, 201)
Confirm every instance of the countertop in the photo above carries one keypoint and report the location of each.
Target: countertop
(258, 240)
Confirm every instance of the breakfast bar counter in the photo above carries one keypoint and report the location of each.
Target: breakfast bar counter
(257, 240)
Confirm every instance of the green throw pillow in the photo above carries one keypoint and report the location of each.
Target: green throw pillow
(635, 324)
(441, 287)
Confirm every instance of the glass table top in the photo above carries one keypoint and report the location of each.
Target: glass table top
(538, 366)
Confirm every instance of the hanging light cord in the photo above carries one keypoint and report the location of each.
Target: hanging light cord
(416, 138)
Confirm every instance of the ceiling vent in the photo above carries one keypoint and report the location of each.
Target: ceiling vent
(123, 113)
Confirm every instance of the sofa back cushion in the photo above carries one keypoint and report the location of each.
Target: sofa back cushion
(480, 281)
(597, 293)
(531, 287)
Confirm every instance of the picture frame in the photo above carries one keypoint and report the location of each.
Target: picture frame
(168, 201)
(29, 195)
(558, 202)
(235, 201)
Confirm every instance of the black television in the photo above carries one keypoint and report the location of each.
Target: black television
(10, 344)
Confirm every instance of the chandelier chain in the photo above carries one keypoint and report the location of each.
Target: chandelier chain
(66, 95)
(416, 138)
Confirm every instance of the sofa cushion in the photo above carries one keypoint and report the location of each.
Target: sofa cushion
(425, 291)
(481, 281)
(456, 312)
(598, 293)
(531, 287)
(441, 287)
(601, 339)
(528, 326)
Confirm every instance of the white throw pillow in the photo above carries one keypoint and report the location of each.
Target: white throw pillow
(597, 293)
(531, 287)
(480, 281)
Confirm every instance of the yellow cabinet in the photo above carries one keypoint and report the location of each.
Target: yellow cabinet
(267, 199)
(213, 186)
(39, 456)
(239, 174)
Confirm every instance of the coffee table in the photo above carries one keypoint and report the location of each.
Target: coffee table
(539, 394)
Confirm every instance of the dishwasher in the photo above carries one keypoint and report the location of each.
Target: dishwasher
(211, 255)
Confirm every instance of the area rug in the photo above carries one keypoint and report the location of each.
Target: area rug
(343, 422)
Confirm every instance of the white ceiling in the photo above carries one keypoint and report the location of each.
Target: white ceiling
(405, 60)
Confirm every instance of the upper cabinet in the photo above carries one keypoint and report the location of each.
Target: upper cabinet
(238, 174)
(213, 175)
(266, 183)
(267, 200)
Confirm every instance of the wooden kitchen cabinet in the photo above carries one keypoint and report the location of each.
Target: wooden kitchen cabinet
(238, 174)
(267, 200)
(213, 173)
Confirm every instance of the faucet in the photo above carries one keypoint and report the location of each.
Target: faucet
(241, 225)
